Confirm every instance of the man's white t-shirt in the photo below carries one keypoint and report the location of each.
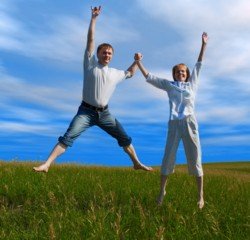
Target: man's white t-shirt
(99, 81)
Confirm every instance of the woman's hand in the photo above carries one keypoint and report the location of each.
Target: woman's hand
(138, 57)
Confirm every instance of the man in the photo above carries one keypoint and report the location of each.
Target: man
(99, 84)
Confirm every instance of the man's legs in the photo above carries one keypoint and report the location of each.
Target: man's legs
(58, 150)
(137, 164)
(83, 119)
(113, 127)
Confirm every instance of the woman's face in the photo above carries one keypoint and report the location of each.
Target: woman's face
(180, 73)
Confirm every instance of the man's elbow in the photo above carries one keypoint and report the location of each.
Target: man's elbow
(130, 73)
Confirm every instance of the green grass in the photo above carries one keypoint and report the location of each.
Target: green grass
(77, 202)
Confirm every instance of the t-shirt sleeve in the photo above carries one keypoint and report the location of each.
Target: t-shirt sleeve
(119, 75)
(161, 83)
(128, 74)
(89, 60)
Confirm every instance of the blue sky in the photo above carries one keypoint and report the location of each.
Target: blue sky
(41, 48)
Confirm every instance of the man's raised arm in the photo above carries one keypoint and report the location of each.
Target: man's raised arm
(91, 32)
(132, 69)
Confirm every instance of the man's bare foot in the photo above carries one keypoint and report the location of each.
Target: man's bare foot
(201, 203)
(42, 168)
(142, 167)
(160, 198)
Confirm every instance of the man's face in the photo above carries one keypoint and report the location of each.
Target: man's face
(105, 55)
(180, 74)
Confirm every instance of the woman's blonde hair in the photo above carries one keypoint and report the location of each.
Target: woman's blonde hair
(180, 65)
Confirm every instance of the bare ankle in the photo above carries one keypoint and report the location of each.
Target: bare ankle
(200, 202)
(161, 197)
(42, 168)
(139, 166)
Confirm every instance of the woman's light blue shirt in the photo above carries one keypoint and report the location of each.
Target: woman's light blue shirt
(181, 94)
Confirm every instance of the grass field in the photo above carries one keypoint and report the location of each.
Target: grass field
(77, 202)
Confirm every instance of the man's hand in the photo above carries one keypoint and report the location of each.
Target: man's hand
(95, 11)
(138, 57)
(204, 37)
(91, 32)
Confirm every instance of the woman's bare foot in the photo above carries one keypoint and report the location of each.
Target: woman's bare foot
(140, 166)
(201, 203)
(160, 198)
(42, 168)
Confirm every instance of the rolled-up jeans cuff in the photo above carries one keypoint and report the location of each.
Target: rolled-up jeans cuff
(125, 143)
(65, 142)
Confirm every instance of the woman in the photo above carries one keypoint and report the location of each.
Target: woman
(182, 123)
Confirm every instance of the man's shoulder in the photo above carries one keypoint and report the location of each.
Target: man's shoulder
(88, 54)
(118, 74)
(114, 70)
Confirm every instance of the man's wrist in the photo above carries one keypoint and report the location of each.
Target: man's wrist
(93, 17)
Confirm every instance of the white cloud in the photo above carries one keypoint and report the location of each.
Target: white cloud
(225, 21)
(59, 98)
(8, 28)
(34, 109)
(216, 114)
(239, 140)
(192, 13)
(62, 38)
(115, 29)
(60, 42)
(25, 128)
(24, 114)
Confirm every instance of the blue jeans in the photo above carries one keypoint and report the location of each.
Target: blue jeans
(86, 118)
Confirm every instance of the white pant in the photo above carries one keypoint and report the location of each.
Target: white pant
(187, 130)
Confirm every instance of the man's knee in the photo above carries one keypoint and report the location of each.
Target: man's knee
(124, 142)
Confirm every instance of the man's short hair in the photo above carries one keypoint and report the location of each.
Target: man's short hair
(104, 45)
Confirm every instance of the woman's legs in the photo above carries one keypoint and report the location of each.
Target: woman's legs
(200, 202)
(163, 183)
(168, 161)
(191, 142)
